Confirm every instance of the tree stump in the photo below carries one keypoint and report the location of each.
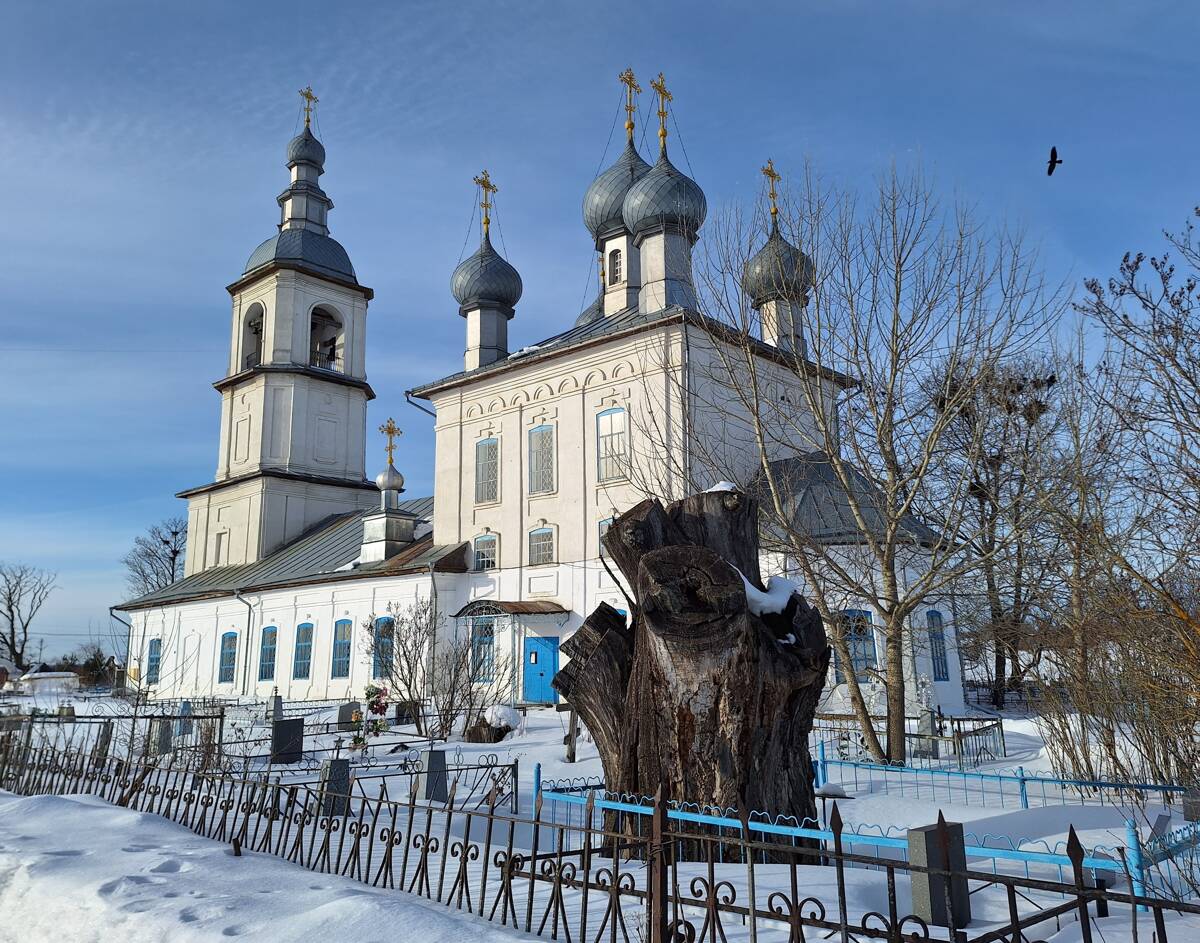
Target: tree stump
(699, 694)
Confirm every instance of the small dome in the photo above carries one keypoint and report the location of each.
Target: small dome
(777, 272)
(664, 197)
(389, 479)
(486, 277)
(304, 148)
(593, 312)
(306, 249)
(604, 198)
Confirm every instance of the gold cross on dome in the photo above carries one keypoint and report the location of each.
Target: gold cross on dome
(309, 100)
(391, 430)
(627, 79)
(660, 86)
(772, 175)
(486, 189)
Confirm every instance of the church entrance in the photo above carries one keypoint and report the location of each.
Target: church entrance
(538, 668)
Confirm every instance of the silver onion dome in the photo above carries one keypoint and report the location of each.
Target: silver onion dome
(665, 198)
(389, 479)
(304, 148)
(777, 272)
(592, 312)
(486, 278)
(605, 196)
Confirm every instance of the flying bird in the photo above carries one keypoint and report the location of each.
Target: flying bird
(1054, 161)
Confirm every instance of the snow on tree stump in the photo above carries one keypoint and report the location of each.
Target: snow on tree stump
(483, 732)
(710, 692)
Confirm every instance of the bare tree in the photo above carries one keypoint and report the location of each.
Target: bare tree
(156, 559)
(23, 591)
(896, 316)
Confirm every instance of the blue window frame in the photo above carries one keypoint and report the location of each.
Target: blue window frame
(860, 641)
(228, 659)
(381, 666)
(153, 660)
(341, 649)
(483, 648)
(937, 645)
(266, 654)
(302, 660)
(612, 445)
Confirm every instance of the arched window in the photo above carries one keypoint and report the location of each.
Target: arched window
(487, 470)
(325, 340)
(341, 649)
(252, 337)
(485, 552)
(153, 660)
(228, 659)
(612, 445)
(541, 459)
(541, 546)
(302, 660)
(614, 266)
(937, 645)
(383, 648)
(860, 640)
(266, 654)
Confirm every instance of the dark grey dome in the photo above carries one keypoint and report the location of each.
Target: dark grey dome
(308, 249)
(305, 148)
(604, 198)
(486, 277)
(593, 312)
(777, 272)
(664, 198)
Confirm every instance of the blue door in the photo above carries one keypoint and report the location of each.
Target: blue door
(539, 668)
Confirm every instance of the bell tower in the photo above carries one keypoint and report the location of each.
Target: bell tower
(294, 396)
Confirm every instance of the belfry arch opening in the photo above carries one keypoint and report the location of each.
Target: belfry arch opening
(252, 337)
(326, 335)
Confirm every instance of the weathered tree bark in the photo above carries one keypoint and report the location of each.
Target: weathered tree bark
(701, 695)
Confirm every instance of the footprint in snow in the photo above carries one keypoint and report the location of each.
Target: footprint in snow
(63, 854)
(170, 866)
(234, 930)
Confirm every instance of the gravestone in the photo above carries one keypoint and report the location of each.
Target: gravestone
(185, 724)
(433, 785)
(287, 740)
(335, 784)
(346, 714)
(66, 714)
(406, 713)
(925, 746)
(103, 743)
(929, 890)
(275, 708)
(162, 736)
(1191, 805)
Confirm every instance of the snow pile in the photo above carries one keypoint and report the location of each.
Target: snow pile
(722, 486)
(500, 716)
(779, 590)
(78, 869)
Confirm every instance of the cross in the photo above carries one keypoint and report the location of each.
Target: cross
(309, 100)
(391, 430)
(486, 188)
(772, 175)
(660, 86)
(627, 79)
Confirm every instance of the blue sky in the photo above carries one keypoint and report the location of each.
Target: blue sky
(141, 146)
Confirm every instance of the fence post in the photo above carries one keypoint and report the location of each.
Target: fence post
(1024, 787)
(1137, 861)
(537, 780)
(656, 879)
(822, 765)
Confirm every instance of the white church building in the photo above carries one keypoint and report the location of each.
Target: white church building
(294, 556)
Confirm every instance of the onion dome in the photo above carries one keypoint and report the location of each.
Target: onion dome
(389, 479)
(604, 198)
(308, 250)
(486, 279)
(304, 148)
(593, 312)
(664, 198)
(777, 272)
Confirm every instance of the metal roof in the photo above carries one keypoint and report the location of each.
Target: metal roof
(322, 255)
(517, 607)
(325, 552)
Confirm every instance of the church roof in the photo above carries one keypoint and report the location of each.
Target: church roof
(308, 250)
(325, 553)
(820, 505)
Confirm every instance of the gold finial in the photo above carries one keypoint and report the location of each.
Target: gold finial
(309, 100)
(627, 79)
(600, 259)
(391, 430)
(772, 175)
(660, 85)
(486, 189)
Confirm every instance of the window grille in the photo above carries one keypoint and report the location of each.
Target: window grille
(266, 654)
(487, 471)
(612, 445)
(937, 646)
(541, 460)
(541, 546)
(381, 666)
(228, 658)
(153, 660)
(341, 649)
(485, 552)
(614, 266)
(302, 661)
(483, 648)
(860, 641)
